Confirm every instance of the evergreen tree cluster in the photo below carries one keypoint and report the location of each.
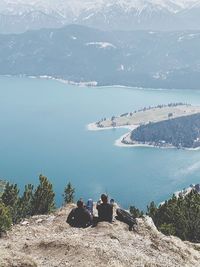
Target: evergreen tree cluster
(41, 200)
(5, 218)
(135, 212)
(13, 207)
(179, 132)
(178, 216)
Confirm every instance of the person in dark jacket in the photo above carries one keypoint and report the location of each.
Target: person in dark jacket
(80, 216)
(105, 210)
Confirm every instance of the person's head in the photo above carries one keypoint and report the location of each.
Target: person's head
(112, 201)
(80, 203)
(104, 198)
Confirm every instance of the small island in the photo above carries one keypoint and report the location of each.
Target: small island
(176, 125)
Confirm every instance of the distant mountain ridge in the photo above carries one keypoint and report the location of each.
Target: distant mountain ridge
(22, 15)
(81, 54)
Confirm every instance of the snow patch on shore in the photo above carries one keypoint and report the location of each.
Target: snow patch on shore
(81, 84)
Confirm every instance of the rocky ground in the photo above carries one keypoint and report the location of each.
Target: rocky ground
(48, 241)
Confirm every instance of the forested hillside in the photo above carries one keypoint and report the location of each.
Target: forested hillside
(81, 54)
(180, 132)
(178, 216)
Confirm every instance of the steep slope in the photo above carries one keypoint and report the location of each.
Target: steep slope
(49, 241)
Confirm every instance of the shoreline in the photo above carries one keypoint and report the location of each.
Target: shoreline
(95, 83)
(68, 82)
(93, 127)
(119, 143)
(152, 114)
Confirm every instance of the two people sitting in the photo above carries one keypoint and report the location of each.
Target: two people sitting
(82, 216)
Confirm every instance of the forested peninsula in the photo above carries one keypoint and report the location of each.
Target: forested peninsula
(182, 132)
(173, 125)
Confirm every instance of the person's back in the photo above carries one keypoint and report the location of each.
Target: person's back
(105, 210)
(79, 217)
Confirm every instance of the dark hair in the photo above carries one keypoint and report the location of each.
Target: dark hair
(104, 197)
(79, 203)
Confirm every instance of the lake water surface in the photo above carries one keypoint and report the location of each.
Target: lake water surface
(43, 130)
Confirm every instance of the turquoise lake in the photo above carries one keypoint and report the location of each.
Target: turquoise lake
(43, 130)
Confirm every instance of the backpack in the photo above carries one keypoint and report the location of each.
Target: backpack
(89, 206)
(126, 217)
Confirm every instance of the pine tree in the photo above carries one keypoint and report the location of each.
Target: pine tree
(167, 229)
(179, 216)
(43, 198)
(25, 202)
(151, 210)
(136, 213)
(10, 194)
(5, 218)
(69, 194)
(10, 199)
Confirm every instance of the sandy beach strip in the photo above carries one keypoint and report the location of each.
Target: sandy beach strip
(118, 142)
(132, 144)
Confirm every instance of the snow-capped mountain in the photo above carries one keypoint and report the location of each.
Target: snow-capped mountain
(78, 6)
(21, 15)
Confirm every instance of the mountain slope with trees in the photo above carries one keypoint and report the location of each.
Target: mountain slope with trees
(41, 237)
(76, 53)
(48, 241)
(183, 132)
(178, 216)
